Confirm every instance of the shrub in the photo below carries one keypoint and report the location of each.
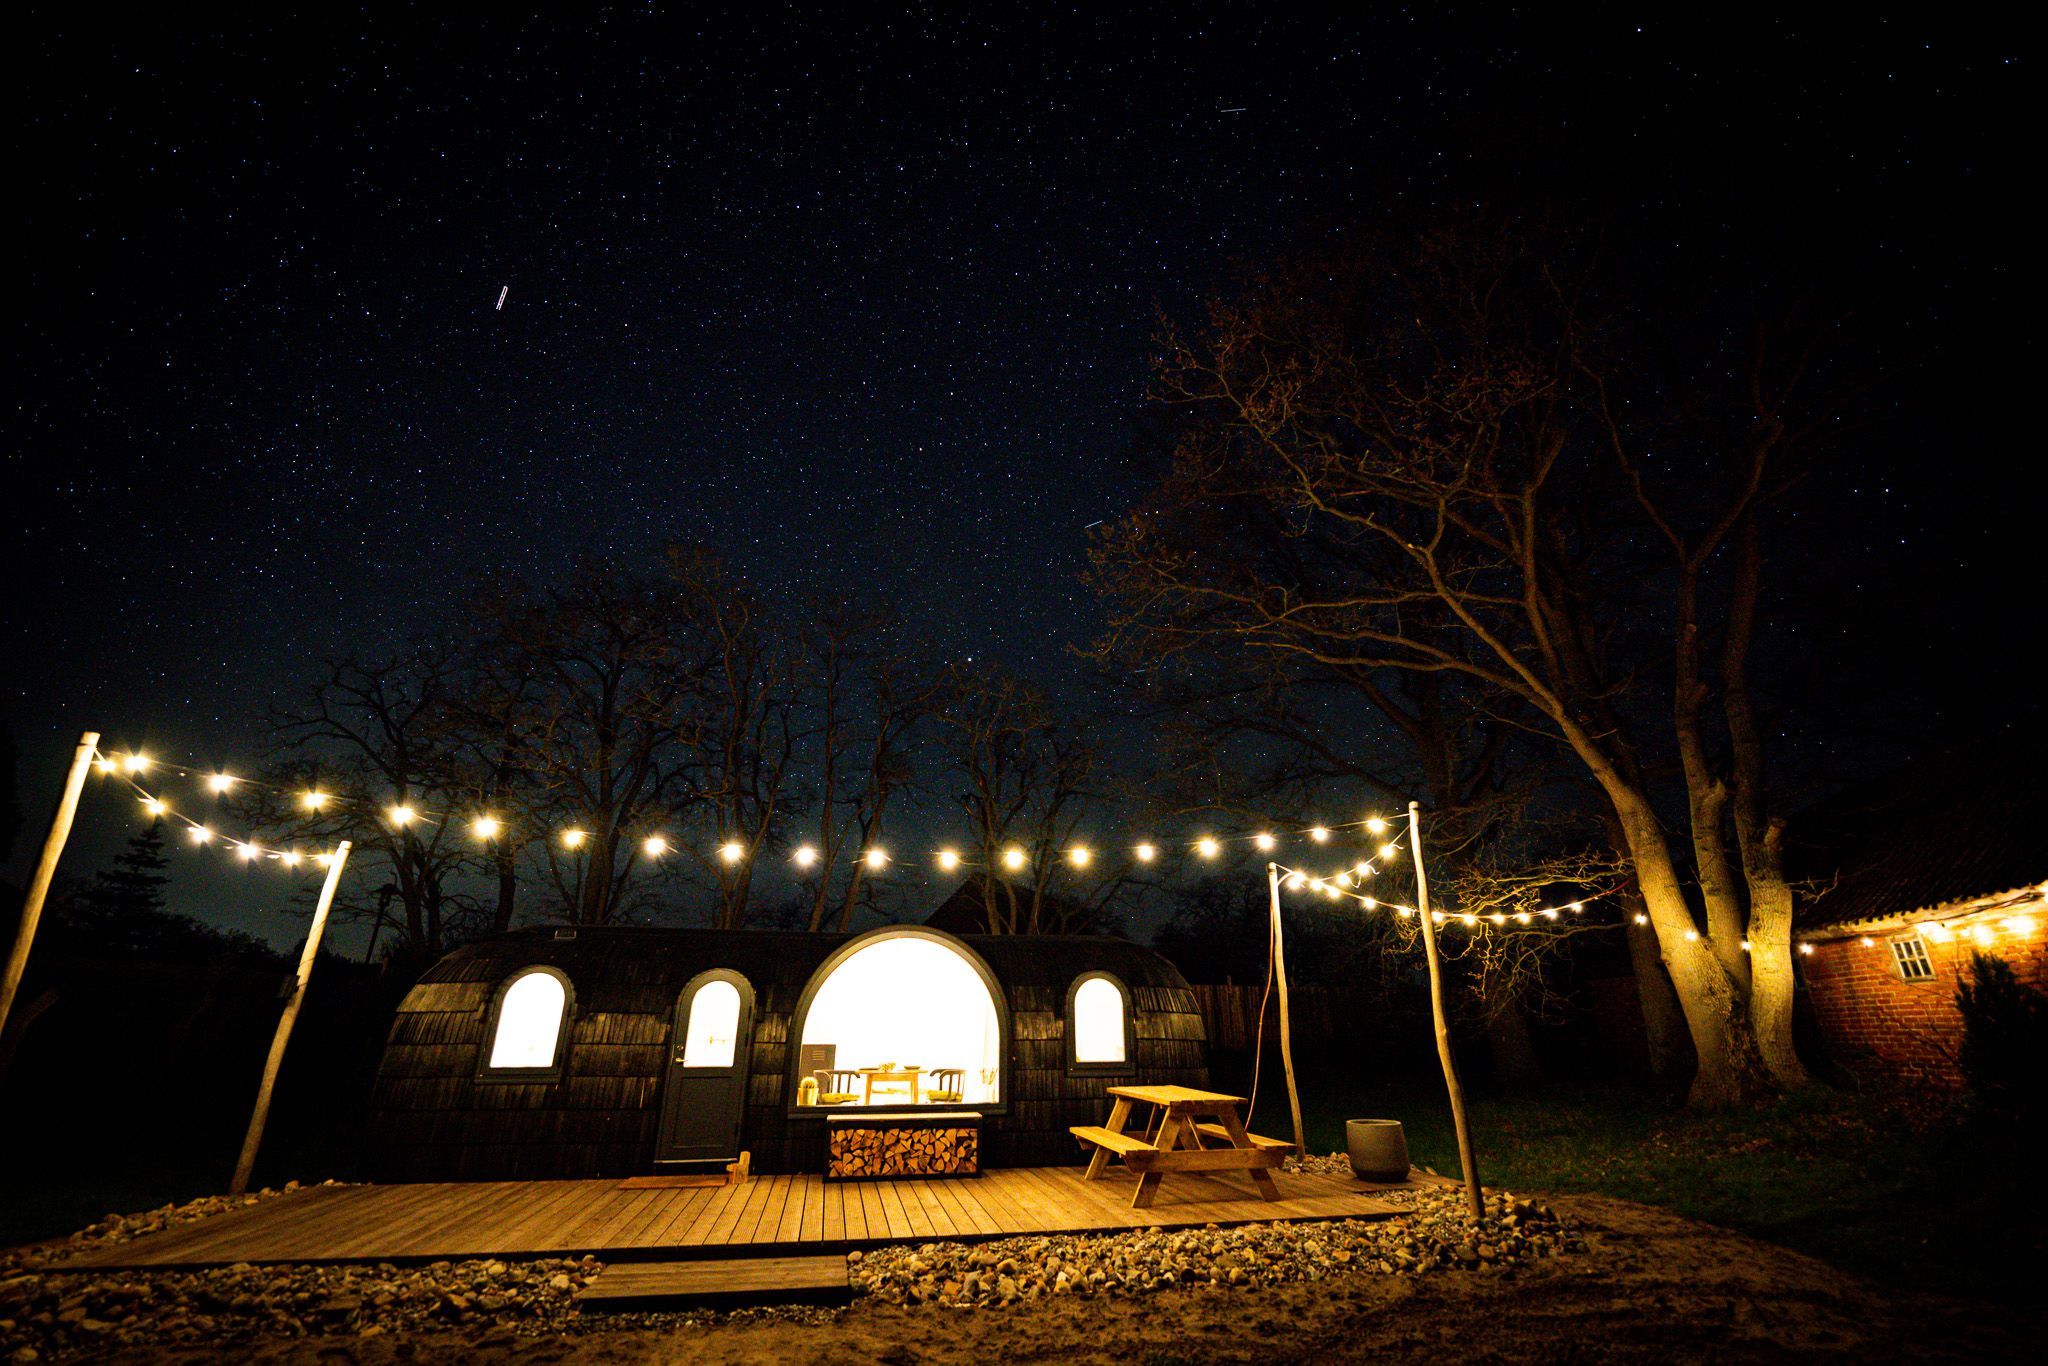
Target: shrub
(2004, 1056)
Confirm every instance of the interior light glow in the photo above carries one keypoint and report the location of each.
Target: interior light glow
(914, 1002)
(529, 1022)
(1098, 1021)
(714, 1029)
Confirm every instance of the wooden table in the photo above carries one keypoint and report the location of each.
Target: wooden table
(871, 1075)
(1185, 1117)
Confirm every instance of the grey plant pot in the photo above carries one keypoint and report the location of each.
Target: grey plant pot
(1378, 1149)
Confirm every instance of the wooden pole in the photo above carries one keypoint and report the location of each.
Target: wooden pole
(1286, 1017)
(46, 870)
(1456, 1090)
(253, 1140)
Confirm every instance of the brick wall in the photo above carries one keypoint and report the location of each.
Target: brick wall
(1892, 1032)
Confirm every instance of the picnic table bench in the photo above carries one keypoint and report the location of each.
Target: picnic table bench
(1184, 1117)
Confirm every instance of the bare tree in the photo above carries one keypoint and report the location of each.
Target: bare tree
(1462, 459)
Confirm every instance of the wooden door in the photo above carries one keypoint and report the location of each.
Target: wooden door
(704, 1099)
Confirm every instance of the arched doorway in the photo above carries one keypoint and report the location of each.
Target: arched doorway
(903, 1016)
(705, 1098)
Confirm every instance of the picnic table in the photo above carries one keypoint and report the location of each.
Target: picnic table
(1182, 1118)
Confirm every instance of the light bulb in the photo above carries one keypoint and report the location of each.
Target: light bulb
(1375, 825)
(402, 814)
(1264, 841)
(1691, 935)
(313, 801)
(875, 859)
(200, 834)
(103, 764)
(155, 806)
(573, 839)
(486, 827)
(655, 846)
(219, 782)
(1642, 919)
(247, 851)
(1368, 903)
(732, 851)
(1296, 881)
(1146, 852)
(1388, 851)
(289, 858)
(805, 856)
(949, 859)
(1806, 948)
(1079, 856)
(1207, 847)
(136, 763)
(1320, 834)
(1013, 858)
(1578, 906)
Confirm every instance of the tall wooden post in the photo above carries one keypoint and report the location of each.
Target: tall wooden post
(46, 869)
(1286, 1016)
(253, 1140)
(1456, 1090)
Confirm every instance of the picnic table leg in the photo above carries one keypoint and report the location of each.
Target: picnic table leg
(1118, 1113)
(1234, 1126)
(1148, 1182)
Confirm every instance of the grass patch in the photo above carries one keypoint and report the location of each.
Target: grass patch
(1902, 1197)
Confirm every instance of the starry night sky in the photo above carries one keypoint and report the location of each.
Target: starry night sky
(865, 303)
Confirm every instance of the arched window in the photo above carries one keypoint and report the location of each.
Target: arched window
(714, 1025)
(1099, 1024)
(902, 1017)
(524, 1041)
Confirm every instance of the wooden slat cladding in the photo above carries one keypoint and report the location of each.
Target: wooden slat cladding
(433, 1118)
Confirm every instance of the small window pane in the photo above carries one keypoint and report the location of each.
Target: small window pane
(1098, 1022)
(529, 1022)
(1911, 957)
(714, 1025)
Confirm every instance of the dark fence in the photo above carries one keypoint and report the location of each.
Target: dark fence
(1230, 1015)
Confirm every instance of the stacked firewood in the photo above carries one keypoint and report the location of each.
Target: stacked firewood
(855, 1152)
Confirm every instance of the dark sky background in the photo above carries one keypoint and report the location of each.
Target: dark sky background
(865, 303)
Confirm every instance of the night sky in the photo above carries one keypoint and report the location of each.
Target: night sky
(864, 303)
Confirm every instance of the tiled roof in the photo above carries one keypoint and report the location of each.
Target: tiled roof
(1953, 826)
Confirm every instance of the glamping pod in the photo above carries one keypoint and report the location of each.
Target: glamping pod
(615, 1051)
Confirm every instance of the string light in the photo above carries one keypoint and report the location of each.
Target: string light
(1146, 852)
(402, 815)
(949, 859)
(1265, 841)
(247, 851)
(314, 801)
(1803, 948)
(1079, 856)
(1297, 880)
(200, 834)
(486, 827)
(103, 764)
(654, 845)
(136, 763)
(1388, 851)
(155, 806)
(2021, 925)
(219, 782)
(1375, 826)
(1320, 834)
(732, 851)
(805, 855)
(1207, 847)
(289, 858)
(1642, 919)
(875, 859)
(573, 839)
(1014, 859)
(1692, 936)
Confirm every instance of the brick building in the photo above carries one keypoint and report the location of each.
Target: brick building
(1947, 858)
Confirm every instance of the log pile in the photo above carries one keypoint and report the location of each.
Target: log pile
(859, 1152)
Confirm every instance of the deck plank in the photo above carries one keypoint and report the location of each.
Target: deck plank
(727, 1281)
(425, 1221)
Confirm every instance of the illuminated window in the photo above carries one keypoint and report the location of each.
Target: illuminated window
(908, 1018)
(1910, 957)
(1098, 1014)
(528, 1027)
(714, 1025)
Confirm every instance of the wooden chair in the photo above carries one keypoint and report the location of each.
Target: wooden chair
(948, 1084)
(838, 1086)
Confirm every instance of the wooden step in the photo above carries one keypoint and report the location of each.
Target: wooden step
(719, 1283)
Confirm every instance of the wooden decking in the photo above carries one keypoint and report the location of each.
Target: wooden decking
(766, 1216)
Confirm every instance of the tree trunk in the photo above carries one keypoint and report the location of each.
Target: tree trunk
(1771, 977)
(1664, 1033)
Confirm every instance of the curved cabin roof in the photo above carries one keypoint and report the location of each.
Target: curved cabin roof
(641, 969)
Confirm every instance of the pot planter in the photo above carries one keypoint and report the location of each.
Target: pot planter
(1377, 1148)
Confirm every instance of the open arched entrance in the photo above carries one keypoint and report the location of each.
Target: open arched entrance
(901, 1016)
